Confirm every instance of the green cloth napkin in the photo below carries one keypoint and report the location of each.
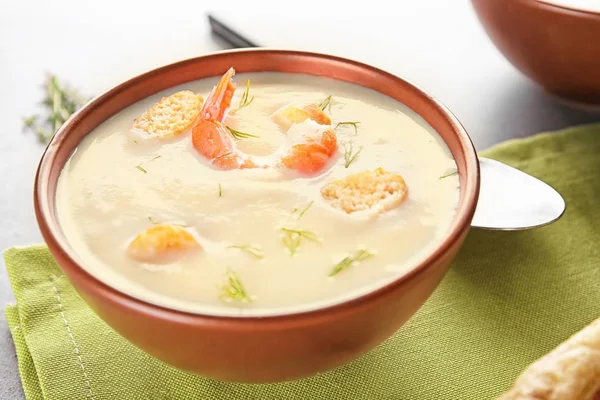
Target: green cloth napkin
(509, 298)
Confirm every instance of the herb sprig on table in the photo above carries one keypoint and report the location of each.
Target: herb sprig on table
(60, 102)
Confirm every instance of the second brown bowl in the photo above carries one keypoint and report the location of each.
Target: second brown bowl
(557, 47)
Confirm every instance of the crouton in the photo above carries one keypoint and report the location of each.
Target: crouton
(377, 190)
(171, 115)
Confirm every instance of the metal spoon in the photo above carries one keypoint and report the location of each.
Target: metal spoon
(510, 199)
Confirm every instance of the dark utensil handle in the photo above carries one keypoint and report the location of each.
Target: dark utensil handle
(227, 34)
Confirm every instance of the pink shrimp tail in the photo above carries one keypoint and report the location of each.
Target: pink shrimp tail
(210, 136)
(219, 99)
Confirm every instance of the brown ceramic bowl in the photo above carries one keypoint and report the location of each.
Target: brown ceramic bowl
(258, 349)
(555, 46)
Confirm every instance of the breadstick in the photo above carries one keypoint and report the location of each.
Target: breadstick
(569, 372)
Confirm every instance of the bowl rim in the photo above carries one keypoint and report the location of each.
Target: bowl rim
(564, 8)
(57, 243)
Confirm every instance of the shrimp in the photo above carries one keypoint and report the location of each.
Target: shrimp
(288, 115)
(313, 154)
(314, 151)
(162, 243)
(210, 136)
(308, 154)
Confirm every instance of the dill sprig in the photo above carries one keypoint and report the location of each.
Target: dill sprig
(349, 154)
(238, 135)
(60, 102)
(155, 222)
(256, 251)
(303, 211)
(246, 99)
(139, 166)
(310, 235)
(350, 261)
(326, 104)
(292, 238)
(220, 190)
(352, 123)
(234, 290)
(291, 241)
(449, 174)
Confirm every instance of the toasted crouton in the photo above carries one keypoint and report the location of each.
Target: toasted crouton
(379, 190)
(171, 115)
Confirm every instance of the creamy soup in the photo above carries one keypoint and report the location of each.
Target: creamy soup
(265, 240)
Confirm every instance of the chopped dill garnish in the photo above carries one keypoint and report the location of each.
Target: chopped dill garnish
(135, 141)
(353, 123)
(238, 135)
(349, 261)
(326, 104)
(349, 156)
(303, 211)
(246, 99)
(256, 251)
(153, 221)
(234, 289)
(293, 237)
(139, 166)
(220, 190)
(449, 174)
(291, 241)
(310, 235)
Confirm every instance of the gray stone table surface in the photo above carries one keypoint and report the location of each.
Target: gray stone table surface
(437, 44)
